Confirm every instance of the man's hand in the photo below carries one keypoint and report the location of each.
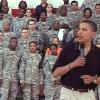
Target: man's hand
(78, 62)
(87, 79)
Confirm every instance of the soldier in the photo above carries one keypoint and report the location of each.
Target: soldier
(19, 22)
(29, 73)
(96, 19)
(23, 41)
(66, 4)
(90, 4)
(54, 31)
(64, 19)
(50, 15)
(51, 85)
(7, 33)
(42, 25)
(34, 33)
(10, 61)
(75, 13)
(7, 15)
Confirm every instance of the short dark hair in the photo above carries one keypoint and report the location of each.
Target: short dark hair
(13, 38)
(19, 6)
(89, 10)
(92, 24)
(33, 42)
(98, 4)
(52, 45)
(31, 20)
(74, 2)
(24, 28)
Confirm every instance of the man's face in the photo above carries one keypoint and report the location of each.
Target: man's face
(74, 6)
(14, 43)
(21, 13)
(6, 26)
(31, 25)
(56, 25)
(43, 15)
(85, 33)
(25, 33)
(97, 9)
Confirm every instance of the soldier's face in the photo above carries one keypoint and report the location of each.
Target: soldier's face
(33, 47)
(53, 50)
(25, 33)
(21, 13)
(49, 8)
(87, 13)
(63, 11)
(28, 13)
(97, 9)
(43, 15)
(56, 25)
(14, 43)
(6, 26)
(74, 6)
(55, 41)
(32, 25)
(85, 33)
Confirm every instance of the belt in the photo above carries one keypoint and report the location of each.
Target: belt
(79, 90)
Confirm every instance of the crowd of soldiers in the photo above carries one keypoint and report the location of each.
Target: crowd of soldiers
(30, 45)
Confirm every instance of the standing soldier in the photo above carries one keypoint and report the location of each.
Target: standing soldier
(37, 35)
(10, 62)
(75, 13)
(43, 25)
(51, 85)
(23, 41)
(19, 22)
(29, 73)
(7, 33)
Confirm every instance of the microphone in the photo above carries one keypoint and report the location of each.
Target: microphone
(81, 48)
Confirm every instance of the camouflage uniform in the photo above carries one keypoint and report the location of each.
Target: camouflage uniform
(29, 74)
(50, 19)
(51, 87)
(43, 26)
(40, 39)
(23, 44)
(90, 4)
(18, 24)
(1, 67)
(75, 17)
(10, 74)
(96, 19)
(1, 24)
(65, 20)
(7, 37)
(68, 8)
